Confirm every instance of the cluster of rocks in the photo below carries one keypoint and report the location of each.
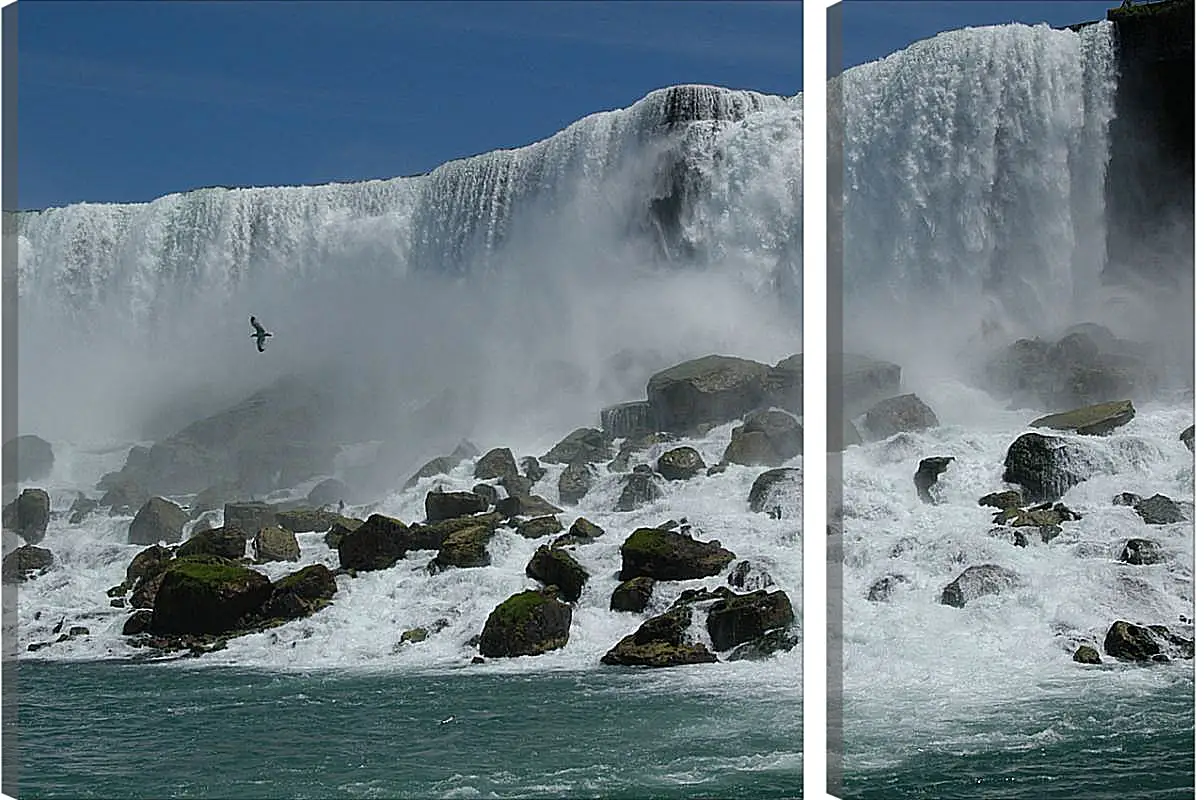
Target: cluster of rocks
(1044, 467)
(871, 405)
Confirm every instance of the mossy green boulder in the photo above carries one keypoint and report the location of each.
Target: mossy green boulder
(157, 521)
(669, 556)
(276, 544)
(300, 593)
(224, 542)
(467, 547)
(377, 544)
(740, 618)
(554, 567)
(660, 642)
(1094, 420)
(632, 595)
(207, 594)
(540, 527)
(527, 624)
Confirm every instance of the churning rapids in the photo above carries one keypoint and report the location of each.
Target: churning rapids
(975, 171)
(504, 299)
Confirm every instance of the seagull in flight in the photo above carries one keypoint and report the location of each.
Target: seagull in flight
(260, 335)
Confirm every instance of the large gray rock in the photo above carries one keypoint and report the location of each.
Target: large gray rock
(224, 542)
(158, 521)
(1094, 420)
(28, 515)
(300, 593)
(27, 458)
(784, 384)
(582, 445)
(712, 389)
(979, 581)
(1159, 510)
(865, 381)
(774, 488)
(327, 492)
(632, 595)
(23, 561)
(627, 419)
(575, 482)
(680, 464)
(1127, 641)
(464, 548)
(926, 476)
(1045, 466)
(639, 488)
(377, 544)
(207, 594)
(497, 463)
(767, 438)
(276, 544)
(905, 412)
(442, 505)
(1188, 437)
(1142, 552)
(669, 556)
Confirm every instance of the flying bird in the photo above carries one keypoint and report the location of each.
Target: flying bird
(260, 335)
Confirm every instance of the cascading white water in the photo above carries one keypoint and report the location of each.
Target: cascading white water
(974, 193)
(974, 170)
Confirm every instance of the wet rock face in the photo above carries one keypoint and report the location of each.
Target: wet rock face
(300, 593)
(276, 544)
(158, 520)
(526, 624)
(497, 463)
(1086, 654)
(540, 527)
(25, 561)
(1044, 466)
(465, 548)
(745, 575)
(669, 556)
(449, 505)
(1127, 641)
(27, 458)
(1188, 437)
(1094, 420)
(250, 518)
(712, 389)
(905, 412)
(639, 488)
(207, 594)
(28, 515)
(979, 581)
(327, 492)
(627, 419)
(865, 381)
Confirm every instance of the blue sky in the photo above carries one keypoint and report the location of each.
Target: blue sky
(127, 101)
(871, 29)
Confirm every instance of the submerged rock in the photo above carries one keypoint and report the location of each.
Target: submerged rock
(882, 589)
(582, 531)
(158, 521)
(28, 515)
(556, 568)
(26, 559)
(527, 624)
(745, 576)
(27, 458)
(1095, 420)
(905, 412)
(639, 488)
(532, 470)
(81, 508)
(926, 475)
(979, 581)
(1159, 510)
(765, 645)
(1087, 655)
(669, 556)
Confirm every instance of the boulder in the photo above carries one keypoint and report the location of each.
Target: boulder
(765, 645)
(1188, 437)
(582, 531)
(28, 515)
(327, 492)
(897, 414)
(1126, 499)
(775, 488)
(882, 589)
(639, 488)
(926, 476)
(1002, 500)
(306, 520)
(467, 547)
(527, 624)
(433, 535)
(81, 508)
(670, 556)
(497, 463)
(1127, 641)
(554, 567)
(632, 595)
(27, 458)
(24, 560)
(338, 530)
(250, 518)
(276, 544)
(532, 470)
(1159, 510)
(377, 544)
(575, 482)
(439, 465)
(784, 384)
(1086, 654)
(1141, 552)
(157, 521)
(136, 623)
(1044, 466)
(680, 464)
(300, 593)
(979, 581)
(207, 594)
(661, 641)
(487, 492)
(865, 381)
(442, 505)
(627, 419)
(582, 445)
(767, 438)
(745, 576)
(147, 563)
(1095, 420)
(540, 527)
(532, 505)
(713, 389)
(742, 618)
(224, 542)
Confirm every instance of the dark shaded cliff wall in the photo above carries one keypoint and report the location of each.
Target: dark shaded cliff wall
(1150, 176)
